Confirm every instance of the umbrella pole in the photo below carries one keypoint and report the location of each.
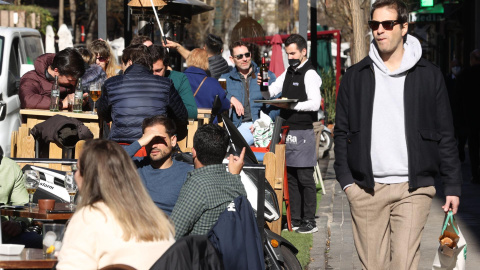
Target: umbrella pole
(159, 24)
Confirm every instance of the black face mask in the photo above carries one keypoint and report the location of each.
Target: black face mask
(294, 62)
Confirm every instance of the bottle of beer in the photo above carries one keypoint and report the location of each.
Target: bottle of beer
(55, 97)
(78, 99)
(264, 74)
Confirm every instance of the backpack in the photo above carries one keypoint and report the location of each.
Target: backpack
(236, 237)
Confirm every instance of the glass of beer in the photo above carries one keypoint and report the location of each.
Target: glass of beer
(223, 83)
(71, 188)
(32, 180)
(95, 92)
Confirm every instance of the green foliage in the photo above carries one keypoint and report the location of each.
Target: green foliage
(45, 16)
(303, 242)
(328, 91)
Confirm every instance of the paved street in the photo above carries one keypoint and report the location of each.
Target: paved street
(333, 246)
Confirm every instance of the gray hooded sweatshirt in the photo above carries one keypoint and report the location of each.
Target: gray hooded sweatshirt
(389, 147)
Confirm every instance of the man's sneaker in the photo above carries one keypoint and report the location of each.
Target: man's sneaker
(307, 227)
(296, 224)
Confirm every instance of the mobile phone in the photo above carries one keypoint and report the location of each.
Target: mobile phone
(59, 211)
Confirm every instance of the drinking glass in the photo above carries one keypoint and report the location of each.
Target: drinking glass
(52, 239)
(95, 92)
(32, 180)
(71, 187)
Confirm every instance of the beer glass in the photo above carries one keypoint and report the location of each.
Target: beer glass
(32, 180)
(223, 83)
(71, 188)
(95, 92)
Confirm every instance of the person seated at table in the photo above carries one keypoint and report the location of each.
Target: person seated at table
(209, 188)
(13, 192)
(204, 88)
(161, 61)
(116, 222)
(214, 47)
(162, 176)
(36, 85)
(103, 56)
(137, 94)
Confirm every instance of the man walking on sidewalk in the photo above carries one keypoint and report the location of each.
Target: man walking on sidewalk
(393, 135)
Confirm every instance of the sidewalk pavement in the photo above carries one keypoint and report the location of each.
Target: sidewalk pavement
(333, 246)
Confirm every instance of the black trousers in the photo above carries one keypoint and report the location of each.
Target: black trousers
(303, 193)
(474, 150)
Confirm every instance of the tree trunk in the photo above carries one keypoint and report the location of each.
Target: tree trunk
(73, 20)
(358, 48)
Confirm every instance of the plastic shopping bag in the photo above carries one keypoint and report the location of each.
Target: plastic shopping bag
(262, 135)
(452, 251)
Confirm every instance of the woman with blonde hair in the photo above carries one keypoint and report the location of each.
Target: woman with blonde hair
(204, 87)
(103, 56)
(116, 221)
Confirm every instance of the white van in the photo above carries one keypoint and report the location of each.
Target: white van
(19, 48)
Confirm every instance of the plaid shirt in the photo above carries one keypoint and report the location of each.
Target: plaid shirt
(204, 196)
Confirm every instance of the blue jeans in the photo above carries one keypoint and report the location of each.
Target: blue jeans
(244, 129)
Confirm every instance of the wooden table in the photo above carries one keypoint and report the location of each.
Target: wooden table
(34, 116)
(30, 258)
(35, 213)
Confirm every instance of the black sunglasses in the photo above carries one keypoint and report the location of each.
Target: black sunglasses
(240, 56)
(102, 59)
(387, 25)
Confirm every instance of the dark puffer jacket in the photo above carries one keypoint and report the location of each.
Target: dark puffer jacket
(35, 88)
(137, 94)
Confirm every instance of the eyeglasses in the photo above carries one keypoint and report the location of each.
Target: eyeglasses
(102, 59)
(240, 56)
(387, 25)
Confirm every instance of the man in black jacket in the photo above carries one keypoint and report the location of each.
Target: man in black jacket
(137, 94)
(393, 136)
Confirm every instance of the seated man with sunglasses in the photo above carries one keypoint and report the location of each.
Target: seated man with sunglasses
(242, 90)
(36, 85)
(393, 136)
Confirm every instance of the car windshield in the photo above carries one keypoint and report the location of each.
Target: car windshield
(2, 39)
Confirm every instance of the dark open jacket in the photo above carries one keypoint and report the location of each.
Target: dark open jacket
(428, 125)
(137, 94)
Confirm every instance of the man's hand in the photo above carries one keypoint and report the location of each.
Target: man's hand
(238, 106)
(282, 105)
(252, 129)
(170, 44)
(11, 228)
(235, 164)
(147, 138)
(259, 79)
(451, 203)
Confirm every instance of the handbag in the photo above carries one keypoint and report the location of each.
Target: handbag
(454, 255)
(198, 88)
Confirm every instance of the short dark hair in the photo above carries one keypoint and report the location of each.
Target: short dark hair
(399, 5)
(213, 44)
(239, 43)
(210, 143)
(139, 40)
(297, 39)
(138, 54)
(158, 52)
(69, 63)
(168, 123)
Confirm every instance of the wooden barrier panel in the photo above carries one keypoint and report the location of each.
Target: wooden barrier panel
(274, 173)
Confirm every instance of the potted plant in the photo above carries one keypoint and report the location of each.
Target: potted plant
(328, 91)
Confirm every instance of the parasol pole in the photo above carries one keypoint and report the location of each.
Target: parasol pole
(159, 25)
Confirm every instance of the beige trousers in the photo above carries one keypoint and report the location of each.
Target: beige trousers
(388, 223)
